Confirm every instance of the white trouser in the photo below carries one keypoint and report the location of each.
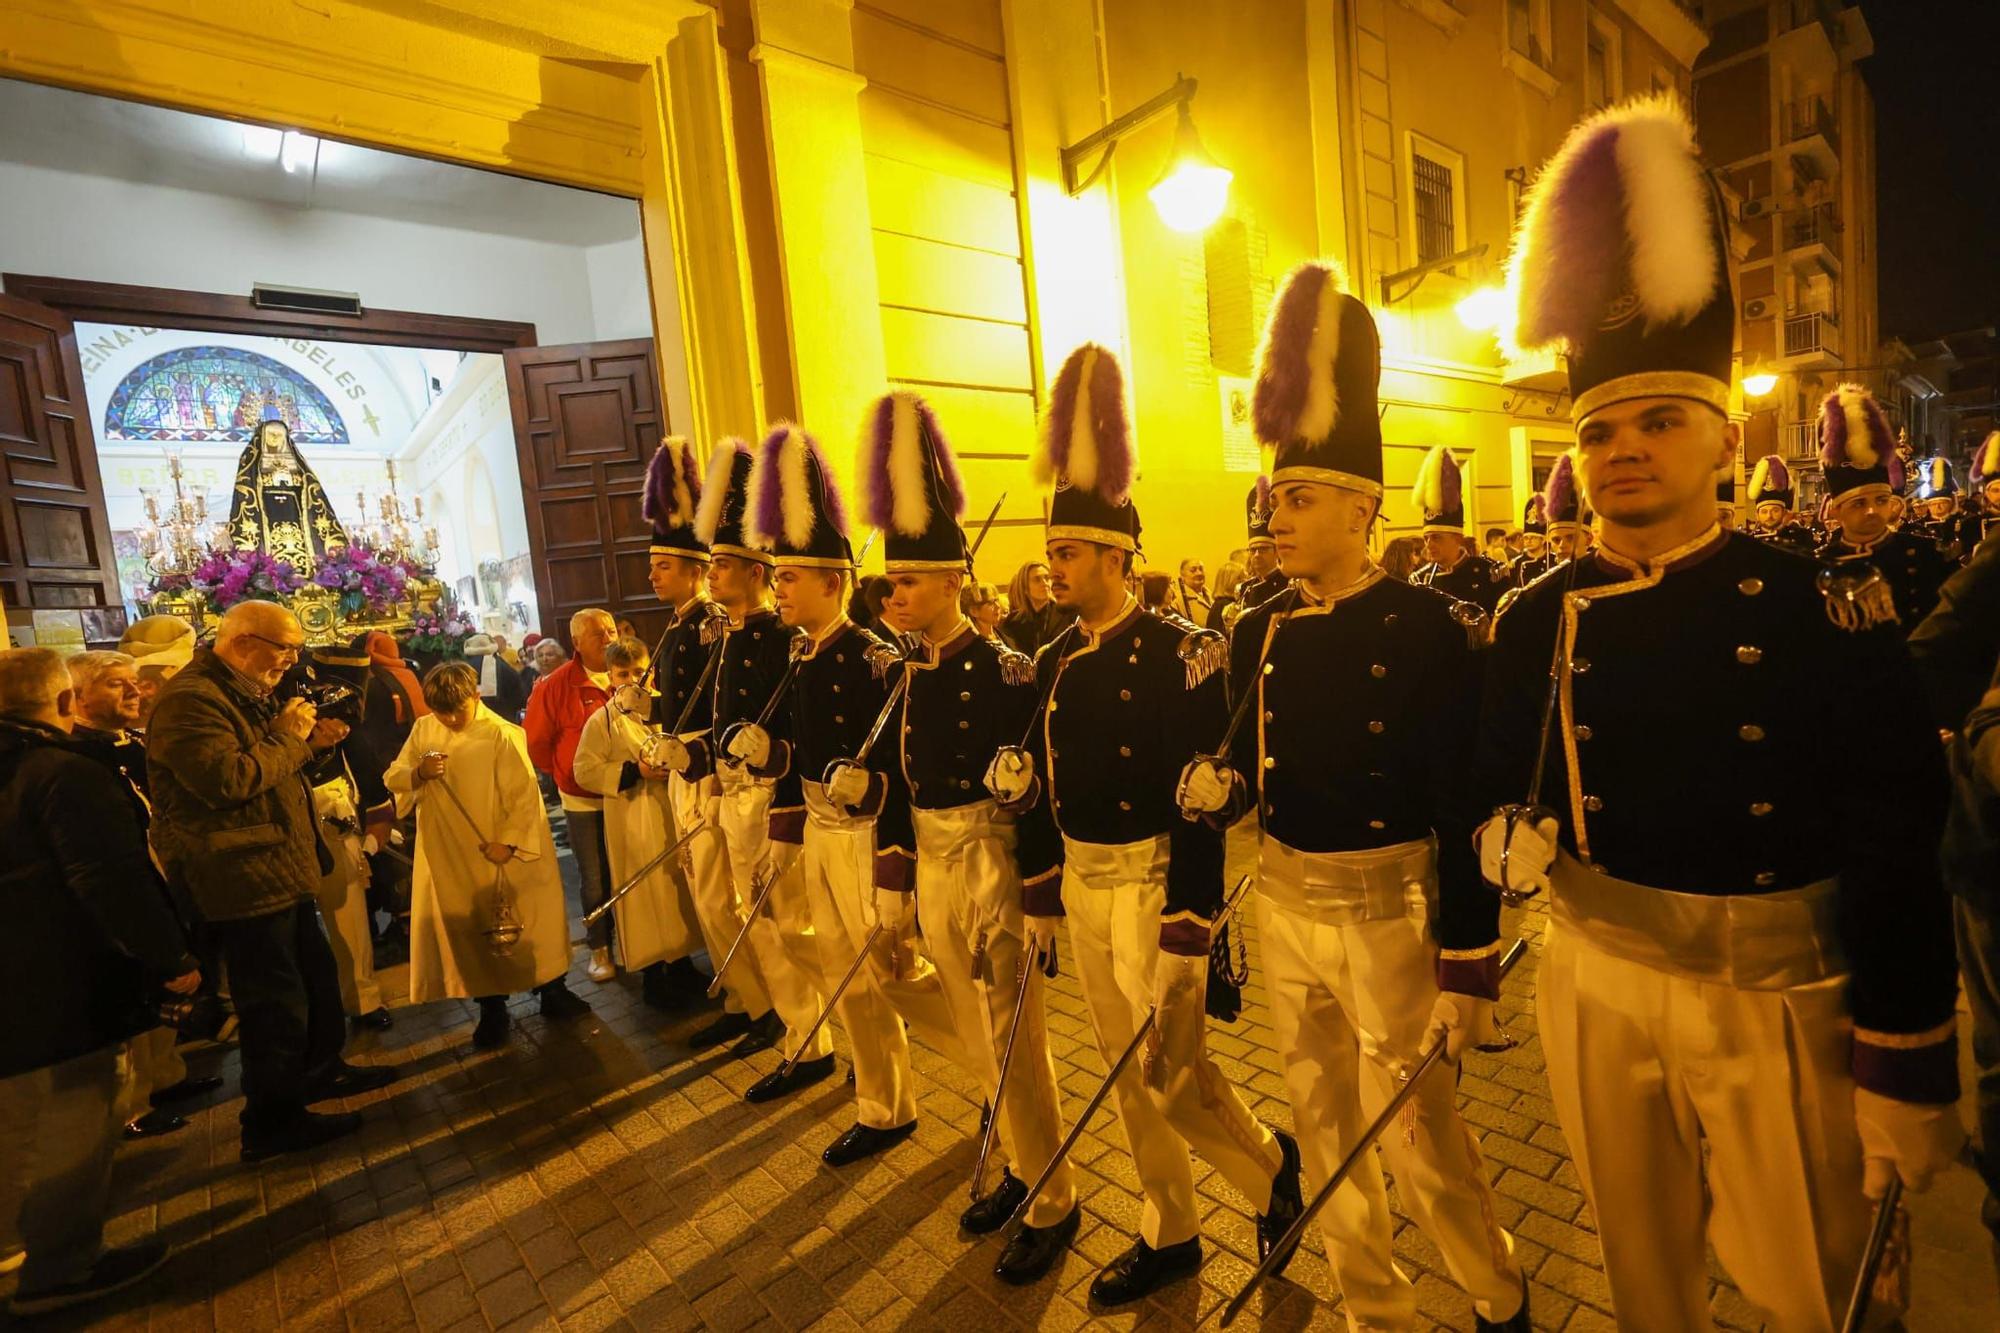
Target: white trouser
(343, 900)
(896, 984)
(781, 935)
(1645, 1068)
(153, 1062)
(717, 910)
(1113, 896)
(1350, 999)
(968, 887)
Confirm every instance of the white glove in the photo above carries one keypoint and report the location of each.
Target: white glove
(751, 745)
(370, 846)
(1913, 1140)
(1011, 775)
(674, 755)
(1206, 786)
(1529, 857)
(892, 909)
(1039, 938)
(847, 786)
(1462, 1020)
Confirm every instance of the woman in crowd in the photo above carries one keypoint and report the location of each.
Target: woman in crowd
(1034, 619)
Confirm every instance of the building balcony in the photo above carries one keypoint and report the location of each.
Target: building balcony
(1812, 135)
(1798, 439)
(1809, 38)
(1812, 339)
(1812, 239)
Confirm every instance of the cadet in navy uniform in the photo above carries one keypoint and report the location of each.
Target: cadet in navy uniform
(1130, 696)
(1368, 895)
(1262, 579)
(1771, 516)
(755, 652)
(1452, 566)
(677, 567)
(1746, 986)
(797, 516)
(1986, 483)
(1569, 522)
(980, 874)
(1537, 556)
(1864, 485)
(1953, 530)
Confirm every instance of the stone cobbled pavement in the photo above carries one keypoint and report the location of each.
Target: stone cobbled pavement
(599, 1175)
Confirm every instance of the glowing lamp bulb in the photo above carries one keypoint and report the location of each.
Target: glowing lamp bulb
(1194, 189)
(1759, 384)
(1483, 310)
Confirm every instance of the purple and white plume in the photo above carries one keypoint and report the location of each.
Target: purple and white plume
(673, 484)
(1294, 399)
(1087, 437)
(715, 488)
(1855, 432)
(1559, 499)
(895, 463)
(1438, 485)
(781, 487)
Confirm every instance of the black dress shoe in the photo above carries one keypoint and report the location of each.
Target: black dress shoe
(726, 1028)
(1034, 1250)
(1517, 1323)
(378, 1018)
(1143, 1270)
(782, 1080)
(561, 1003)
(308, 1129)
(1287, 1202)
(351, 1081)
(762, 1035)
(865, 1141)
(153, 1124)
(115, 1270)
(494, 1024)
(184, 1090)
(991, 1213)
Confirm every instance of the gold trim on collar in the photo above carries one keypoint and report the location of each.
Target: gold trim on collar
(1080, 532)
(1319, 606)
(1326, 476)
(827, 635)
(1665, 560)
(1652, 384)
(1126, 612)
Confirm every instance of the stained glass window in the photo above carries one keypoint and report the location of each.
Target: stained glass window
(218, 393)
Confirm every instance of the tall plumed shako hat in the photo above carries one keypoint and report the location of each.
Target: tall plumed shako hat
(1621, 262)
(721, 519)
(1986, 461)
(1771, 482)
(1317, 372)
(1857, 447)
(795, 506)
(1935, 478)
(1562, 501)
(673, 493)
(1439, 492)
(1087, 452)
(910, 487)
(1534, 515)
(1257, 513)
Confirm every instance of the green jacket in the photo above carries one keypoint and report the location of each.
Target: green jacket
(232, 815)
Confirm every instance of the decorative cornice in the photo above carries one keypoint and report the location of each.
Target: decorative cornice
(777, 57)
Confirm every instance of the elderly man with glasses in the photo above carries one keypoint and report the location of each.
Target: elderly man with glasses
(233, 826)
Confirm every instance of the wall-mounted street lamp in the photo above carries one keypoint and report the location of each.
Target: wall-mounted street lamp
(1415, 276)
(1758, 383)
(1192, 190)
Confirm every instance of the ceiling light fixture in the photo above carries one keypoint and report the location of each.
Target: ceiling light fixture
(298, 150)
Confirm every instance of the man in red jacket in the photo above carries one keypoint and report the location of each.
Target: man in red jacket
(562, 702)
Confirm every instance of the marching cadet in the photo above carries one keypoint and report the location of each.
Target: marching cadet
(1536, 557)
(1742, 962)
(1771, 516)
(1725, 499)
(981, 875)
(755, 653)
(683, 669)
(1986, 483)
(1452, 566)
(840, 690)
(1262, 579)
(1129, 697)
(1954, 531)
(1886, 575)
(1377, 935)
(1569, 524)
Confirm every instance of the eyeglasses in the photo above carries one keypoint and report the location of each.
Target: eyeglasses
(284, 649)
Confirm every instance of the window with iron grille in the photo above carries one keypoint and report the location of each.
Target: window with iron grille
(1431, 188)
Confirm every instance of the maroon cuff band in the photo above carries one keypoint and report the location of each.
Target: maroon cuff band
(789, 825)
(1927, 1074)
(1470, 976)
(877, 797)
(1043, 896)
(781, 762)
(895, 869)
(1188, 938)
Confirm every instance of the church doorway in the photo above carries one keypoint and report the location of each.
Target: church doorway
(458, 468)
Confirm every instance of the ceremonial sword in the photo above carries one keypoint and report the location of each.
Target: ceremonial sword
(790, 1062)
(1532, 808)
(1871, 1258)
(1027, 965)
(801, 645)
(1082, 1122)
(591, 917)
(756, 905)
(1281, 1253)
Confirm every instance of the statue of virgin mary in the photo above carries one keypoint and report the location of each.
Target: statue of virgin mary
(278, 506)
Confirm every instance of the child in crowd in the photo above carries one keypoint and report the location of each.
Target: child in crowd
(485, 863)
(654, 922)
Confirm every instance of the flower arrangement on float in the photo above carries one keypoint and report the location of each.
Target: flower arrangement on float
(439, 632)
(227, 577)
(370, 584)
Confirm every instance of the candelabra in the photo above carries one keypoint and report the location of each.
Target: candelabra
(397, 531)
(174, 541)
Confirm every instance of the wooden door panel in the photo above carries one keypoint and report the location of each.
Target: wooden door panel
(587, 418)
(55, 535)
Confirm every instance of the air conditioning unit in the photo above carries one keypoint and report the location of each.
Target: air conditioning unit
(1760, 208)
(305, 300)
(1759, 307)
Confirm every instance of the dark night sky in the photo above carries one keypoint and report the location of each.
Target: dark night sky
(1937, 116)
